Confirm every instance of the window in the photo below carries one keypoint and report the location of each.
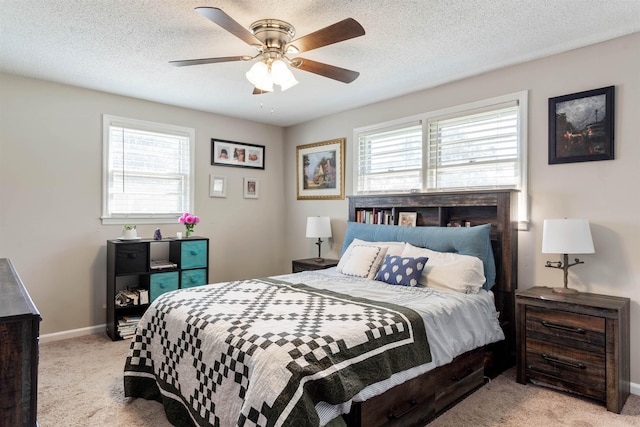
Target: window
(476, 146)
(474, 150)
(147, 171)
(390, 159)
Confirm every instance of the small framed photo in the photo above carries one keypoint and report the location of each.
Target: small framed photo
(237, 154)
(581, 126)
(217, 186)
(320, 170)
(407, 219)
(251, 188)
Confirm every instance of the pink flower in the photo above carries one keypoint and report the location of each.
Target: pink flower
(189, 222)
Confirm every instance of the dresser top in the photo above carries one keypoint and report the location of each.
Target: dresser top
(14, 299)
(582, 298)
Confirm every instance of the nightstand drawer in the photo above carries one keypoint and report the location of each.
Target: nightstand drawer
(577, 366)
(566, 328)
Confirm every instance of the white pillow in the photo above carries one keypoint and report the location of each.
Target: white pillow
(359, 261)
(363, 261)
(449, 271)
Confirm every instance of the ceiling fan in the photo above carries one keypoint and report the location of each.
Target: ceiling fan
(273, 40)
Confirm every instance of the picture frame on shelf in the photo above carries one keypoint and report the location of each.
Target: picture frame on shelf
(217, 186)
(407, 219)
(320, 170)
(581, 126)
(251, 188)
(237, 154)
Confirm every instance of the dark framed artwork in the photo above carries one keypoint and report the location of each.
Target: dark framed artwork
(581, 126)
(238, 154)
(320, 170)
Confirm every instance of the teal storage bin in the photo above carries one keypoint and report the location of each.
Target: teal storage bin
(191, 278)
(162, 282)
(193, 254)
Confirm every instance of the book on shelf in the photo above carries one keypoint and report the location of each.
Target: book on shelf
(375, 216)
(162, 264)
(127, 326)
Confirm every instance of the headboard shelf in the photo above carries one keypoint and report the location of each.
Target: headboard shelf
(495, 207)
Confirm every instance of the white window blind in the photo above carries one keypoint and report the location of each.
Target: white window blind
(474, 150)
(148, 171)
(390, 159)
(480, 145)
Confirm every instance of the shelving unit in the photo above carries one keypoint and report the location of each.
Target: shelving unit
(129, 266)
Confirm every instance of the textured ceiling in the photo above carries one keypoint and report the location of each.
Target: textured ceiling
(124, 46)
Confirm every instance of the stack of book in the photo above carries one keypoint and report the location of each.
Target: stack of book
(127, 326)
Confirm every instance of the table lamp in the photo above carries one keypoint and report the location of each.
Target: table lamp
(566, 236)
(318, 226)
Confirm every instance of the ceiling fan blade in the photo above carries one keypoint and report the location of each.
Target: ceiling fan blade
(257, 91)
(217, 16)
(340, 31)
(186, 62)
(325, 70)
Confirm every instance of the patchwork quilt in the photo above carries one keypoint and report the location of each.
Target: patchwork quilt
(265, 352)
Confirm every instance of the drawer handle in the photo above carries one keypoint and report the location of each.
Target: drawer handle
(563, 362)
(562, 327)
(467, 372)
(412, 405)
(192, 252)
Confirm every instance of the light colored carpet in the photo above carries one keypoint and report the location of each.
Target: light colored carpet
(80, 384)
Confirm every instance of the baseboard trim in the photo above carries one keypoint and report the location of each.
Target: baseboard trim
(73, 333)
(635, 389)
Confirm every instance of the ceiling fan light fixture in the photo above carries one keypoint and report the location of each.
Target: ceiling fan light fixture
(280, 72)
(289, 83)
(282, 75)
(260, 77)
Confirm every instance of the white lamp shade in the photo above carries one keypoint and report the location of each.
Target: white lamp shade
(318, 226)
(567, 236)
(260, 77)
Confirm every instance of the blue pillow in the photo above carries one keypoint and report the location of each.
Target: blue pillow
(396, 270)
(474, 241)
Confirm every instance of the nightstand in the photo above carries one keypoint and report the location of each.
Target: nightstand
(577, 343)
(298, 265)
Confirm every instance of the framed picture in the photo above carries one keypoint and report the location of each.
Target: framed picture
(238, 154)
(581, 126)
(251, 188)
(320, 170)
(407, 219)
(217, 186)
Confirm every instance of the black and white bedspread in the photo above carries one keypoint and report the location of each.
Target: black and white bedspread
(267, 352)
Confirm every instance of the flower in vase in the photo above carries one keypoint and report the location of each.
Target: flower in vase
(189, 222)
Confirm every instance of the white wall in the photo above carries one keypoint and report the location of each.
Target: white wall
(50, 196)
(604, 192)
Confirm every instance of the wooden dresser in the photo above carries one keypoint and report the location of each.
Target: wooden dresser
(19, 331)
(578, 343)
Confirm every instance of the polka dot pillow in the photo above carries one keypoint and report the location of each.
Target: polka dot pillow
(396, 270)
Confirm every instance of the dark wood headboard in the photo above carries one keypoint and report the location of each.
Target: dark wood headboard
(496, 207)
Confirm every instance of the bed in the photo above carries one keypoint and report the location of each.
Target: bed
(346, 345)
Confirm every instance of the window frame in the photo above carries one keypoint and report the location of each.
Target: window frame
(520, 98)
(107, 121)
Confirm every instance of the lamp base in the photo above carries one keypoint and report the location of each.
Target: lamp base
(565, 291)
